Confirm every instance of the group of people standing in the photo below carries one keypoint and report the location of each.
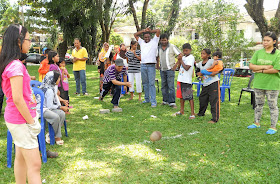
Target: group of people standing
(158, 53)
(21, 116)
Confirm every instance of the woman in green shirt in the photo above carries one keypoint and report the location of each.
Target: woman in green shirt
(266, 65)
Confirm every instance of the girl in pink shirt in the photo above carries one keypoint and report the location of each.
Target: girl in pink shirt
(20, 113)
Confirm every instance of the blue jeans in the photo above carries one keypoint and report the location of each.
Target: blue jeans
(167, 86)
(80, 77)
(148, 74)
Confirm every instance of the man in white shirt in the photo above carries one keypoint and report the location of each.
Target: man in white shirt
(148, 61)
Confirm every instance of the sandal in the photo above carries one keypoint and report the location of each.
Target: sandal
(271, 131)
(48, 140)
(52, 154)
(60, 142)
(254, 126)
(177, 114)
(192, 117)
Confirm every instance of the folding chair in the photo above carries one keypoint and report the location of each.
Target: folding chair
(250, 90)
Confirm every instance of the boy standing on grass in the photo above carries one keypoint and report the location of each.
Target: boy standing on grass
(184, 81)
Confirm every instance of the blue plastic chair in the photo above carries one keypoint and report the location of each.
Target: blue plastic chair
(228, 75)
(51, 133)
(34, 83)
(41, 136)
(198, 86)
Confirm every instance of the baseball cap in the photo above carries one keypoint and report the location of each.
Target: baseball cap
(119, 62)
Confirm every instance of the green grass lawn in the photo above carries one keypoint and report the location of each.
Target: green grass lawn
(114, 148)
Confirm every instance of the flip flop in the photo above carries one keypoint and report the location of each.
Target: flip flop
(59, 142)
(254, 126)
(48, 140)
(52, 154)
(192, 117)
(177, 114)
(271, 131)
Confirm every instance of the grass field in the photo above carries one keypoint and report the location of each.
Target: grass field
(115, 147)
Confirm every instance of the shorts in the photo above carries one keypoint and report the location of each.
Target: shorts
(184, 91)
(22, 136)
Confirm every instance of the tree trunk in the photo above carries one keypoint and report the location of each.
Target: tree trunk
(62, 48)
(144, 14)
(256, 11)
(133, 11)
(173, 17)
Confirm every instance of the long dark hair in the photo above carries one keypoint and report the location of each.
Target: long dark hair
(56, 75)
(274, 37)
(10, 47)
(132, 43)
(218, 53)
(51, 54)
(207, 51)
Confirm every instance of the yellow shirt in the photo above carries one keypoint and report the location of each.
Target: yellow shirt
(81, 53)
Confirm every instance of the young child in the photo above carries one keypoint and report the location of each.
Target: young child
(44, 66)
(217, 64)
(65, 76)
(184, 81)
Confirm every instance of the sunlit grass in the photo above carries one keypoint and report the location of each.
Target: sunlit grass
(115, 147)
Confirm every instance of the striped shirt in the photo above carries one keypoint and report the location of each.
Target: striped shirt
(134, 65)
(112, 74)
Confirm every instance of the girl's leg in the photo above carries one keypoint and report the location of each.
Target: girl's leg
(139, 98)
(272, 97)
(260, 99)
(138, 84)
(20, 167)
(182, 103)
(203, 101)
(53, 118)
(61, 115)
(214, 98)
(33, 163)
(131, 80)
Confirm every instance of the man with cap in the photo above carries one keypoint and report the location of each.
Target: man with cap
(113, 77)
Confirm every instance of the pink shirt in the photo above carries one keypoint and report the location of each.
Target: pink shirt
(12, 115)
(65, 80)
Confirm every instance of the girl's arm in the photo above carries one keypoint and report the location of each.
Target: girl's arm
(49, 97)
(259, 67)
(17, 94)
(138, 57)
(271, 70)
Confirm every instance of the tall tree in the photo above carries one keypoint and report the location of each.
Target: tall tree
(108, 12)
(164, 13)
(134, 13)
(256, 11)
(76, 19)
(216, 25)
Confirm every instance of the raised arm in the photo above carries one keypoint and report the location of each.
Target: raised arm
(137, 34)
(157, 31)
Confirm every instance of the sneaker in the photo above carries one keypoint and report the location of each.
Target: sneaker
(164, 103)
(78, 94)
(86, 94)
(154, 105)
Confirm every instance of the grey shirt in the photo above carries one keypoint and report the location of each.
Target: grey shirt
(207, 79)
